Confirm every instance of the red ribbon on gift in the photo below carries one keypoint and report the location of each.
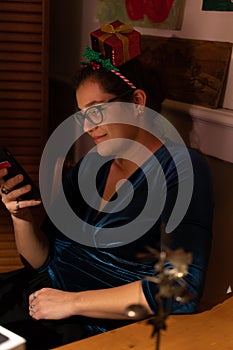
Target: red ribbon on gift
(109, 30)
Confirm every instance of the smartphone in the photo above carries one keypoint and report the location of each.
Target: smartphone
(8, 161)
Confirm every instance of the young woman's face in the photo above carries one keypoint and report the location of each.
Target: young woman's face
(89, 94)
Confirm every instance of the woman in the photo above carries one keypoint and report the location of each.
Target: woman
(70, 290)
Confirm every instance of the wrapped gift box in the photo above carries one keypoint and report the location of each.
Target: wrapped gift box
(117, 41)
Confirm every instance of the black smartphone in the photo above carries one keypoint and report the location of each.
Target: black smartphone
(8, 161)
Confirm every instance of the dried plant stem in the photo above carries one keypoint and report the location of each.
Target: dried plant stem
(157, 343)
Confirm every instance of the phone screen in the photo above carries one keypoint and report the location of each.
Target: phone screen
(5, 164)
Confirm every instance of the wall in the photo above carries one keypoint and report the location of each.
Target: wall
(197, 24)
(65, 32)
(220, 273)
(65, 29)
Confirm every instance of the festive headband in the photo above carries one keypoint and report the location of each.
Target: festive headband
(96, 62)
(112, 45)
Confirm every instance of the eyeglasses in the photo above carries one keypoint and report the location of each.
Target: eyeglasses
(94, 114)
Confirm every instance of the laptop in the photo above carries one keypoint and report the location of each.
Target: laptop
(10, 340)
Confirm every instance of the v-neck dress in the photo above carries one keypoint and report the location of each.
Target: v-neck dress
(74, 266)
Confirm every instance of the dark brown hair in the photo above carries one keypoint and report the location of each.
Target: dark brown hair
(142, 77)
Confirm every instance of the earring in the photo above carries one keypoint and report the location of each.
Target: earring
(140, 111)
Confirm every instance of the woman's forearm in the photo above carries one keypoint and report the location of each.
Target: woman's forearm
(111, 303)
(31, 242)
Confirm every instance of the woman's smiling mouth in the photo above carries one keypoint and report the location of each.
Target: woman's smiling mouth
(99, 138)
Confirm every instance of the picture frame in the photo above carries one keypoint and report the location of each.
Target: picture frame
(217, 5)
(131, 11)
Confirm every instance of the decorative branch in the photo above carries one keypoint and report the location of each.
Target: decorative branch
(95, 60)
(171, 268)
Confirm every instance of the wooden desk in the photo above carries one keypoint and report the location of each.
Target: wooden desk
(209, 330)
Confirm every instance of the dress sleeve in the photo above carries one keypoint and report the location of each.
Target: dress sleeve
(193, 234)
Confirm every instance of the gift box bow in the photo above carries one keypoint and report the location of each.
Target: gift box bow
(119, 31)
(123, 28)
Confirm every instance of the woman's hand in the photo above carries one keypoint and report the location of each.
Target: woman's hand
(11, 197)
(31, 242)
(51, 304)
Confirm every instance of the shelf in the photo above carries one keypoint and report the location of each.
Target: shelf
(212, 131)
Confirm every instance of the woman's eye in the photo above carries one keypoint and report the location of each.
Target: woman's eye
(96, 110)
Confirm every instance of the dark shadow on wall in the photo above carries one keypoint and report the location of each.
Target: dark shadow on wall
(65, 38)
(62, 102)
(219, 278)
(219, 281)
(64, 58)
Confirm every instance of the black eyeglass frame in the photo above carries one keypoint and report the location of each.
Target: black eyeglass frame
(99, 107)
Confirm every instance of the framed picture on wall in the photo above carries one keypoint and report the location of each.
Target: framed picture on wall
(151, 13)
(217, 5)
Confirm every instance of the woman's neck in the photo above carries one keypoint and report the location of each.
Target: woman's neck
(137, 154)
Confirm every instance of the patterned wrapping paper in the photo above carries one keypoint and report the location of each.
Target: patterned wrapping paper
(118, 41)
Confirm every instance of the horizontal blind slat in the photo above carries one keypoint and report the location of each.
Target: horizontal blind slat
(20, 47)
(21, 17)
(22, 114)
(20, 37)
(20, 27)
(22, 6)
(20, 57)
(24, 104)
(20, 95)
(15, 86)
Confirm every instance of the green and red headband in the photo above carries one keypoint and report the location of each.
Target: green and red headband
(96, 62)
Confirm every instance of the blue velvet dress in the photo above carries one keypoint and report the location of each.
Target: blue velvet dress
(73, 266)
